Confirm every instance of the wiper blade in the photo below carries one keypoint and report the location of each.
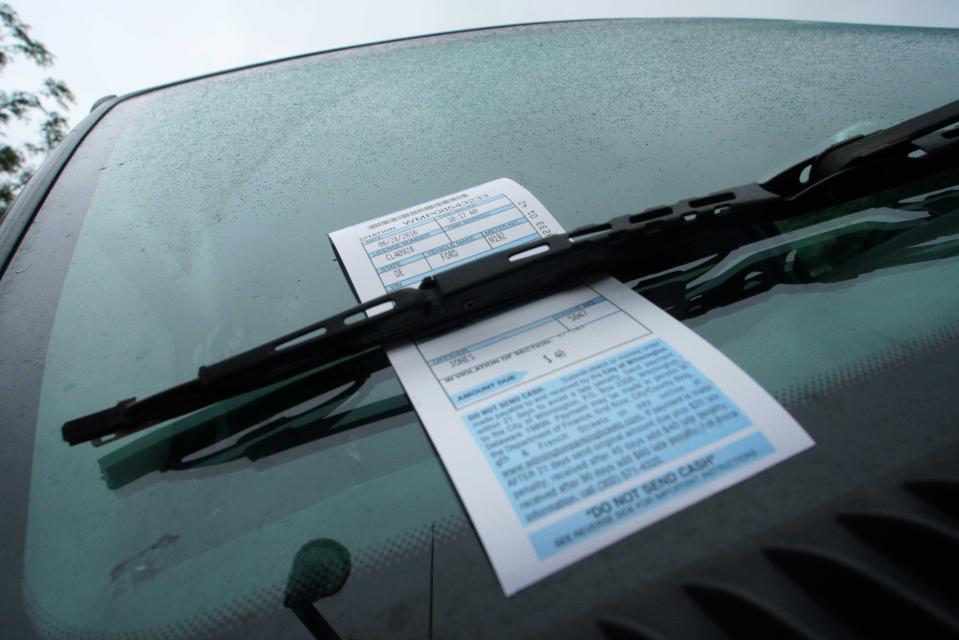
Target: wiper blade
(646, 242)
(257, 425)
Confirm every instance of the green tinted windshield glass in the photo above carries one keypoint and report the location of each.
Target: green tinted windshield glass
(207, 209)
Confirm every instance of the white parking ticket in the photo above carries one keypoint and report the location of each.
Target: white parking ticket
(575, 420)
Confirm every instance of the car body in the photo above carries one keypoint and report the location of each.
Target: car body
(183, 224)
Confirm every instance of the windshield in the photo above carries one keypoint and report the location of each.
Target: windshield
(192, 224)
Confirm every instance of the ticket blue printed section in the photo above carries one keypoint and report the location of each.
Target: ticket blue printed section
(488, 388)
(561, 442)
(653, 493)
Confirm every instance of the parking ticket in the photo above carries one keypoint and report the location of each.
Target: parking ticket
(572, 421)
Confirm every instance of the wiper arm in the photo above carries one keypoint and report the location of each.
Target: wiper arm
(646, 242)
(883, 232)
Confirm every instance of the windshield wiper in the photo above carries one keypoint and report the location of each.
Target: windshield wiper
(646, 242)
(880, 231)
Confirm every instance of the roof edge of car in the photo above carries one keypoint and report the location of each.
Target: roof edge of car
(423, 36)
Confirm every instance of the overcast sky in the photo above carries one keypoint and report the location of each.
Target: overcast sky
(117, 46)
